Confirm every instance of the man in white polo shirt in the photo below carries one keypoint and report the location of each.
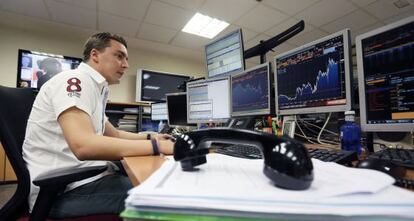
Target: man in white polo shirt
(68, 128)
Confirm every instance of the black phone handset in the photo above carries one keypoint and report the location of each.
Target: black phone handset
(286, 161)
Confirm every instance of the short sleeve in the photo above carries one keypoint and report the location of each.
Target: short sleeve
(73, 91)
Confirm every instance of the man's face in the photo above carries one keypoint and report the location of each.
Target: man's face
(112, 62)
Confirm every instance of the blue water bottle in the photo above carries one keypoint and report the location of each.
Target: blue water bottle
(351, 133)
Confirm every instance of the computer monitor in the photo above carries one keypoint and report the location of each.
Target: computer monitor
(177, 109)
(316, 77)
(35, 68)
(159, 111)
(385, 58)
(208, 100)
(154, 85)
(250, 92)
(225, 55)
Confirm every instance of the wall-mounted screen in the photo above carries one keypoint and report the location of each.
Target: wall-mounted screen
(154, 85)
(35, 68)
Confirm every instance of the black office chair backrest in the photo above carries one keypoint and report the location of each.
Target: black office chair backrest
(15, 107)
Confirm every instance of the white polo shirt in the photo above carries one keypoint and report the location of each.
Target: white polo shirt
(45, 147)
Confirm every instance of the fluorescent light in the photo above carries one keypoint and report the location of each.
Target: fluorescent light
(204, 26)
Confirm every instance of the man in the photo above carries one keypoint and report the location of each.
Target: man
(68, 128)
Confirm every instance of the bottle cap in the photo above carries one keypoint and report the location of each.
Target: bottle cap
(350, 112)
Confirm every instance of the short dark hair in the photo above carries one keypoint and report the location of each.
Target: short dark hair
(100, 41)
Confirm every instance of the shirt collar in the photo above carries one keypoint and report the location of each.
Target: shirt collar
(96, 76)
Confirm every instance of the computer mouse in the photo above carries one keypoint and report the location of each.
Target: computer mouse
(382, 165)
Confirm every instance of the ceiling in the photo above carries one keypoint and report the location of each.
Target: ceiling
(156, 24)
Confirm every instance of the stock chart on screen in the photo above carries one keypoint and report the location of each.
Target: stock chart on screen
(313, 76)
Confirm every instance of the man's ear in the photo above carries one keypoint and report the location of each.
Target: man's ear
(94, 55)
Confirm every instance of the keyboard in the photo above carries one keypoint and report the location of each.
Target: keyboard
(338, 156)
(241, 151)
(249, 152)
(401, 157)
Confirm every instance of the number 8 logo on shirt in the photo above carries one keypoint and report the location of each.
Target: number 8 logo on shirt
(74, 85)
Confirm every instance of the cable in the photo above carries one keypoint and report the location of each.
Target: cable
(323, 127)
(304, 135)
(331, 132)
(327, 142)
(329, 138)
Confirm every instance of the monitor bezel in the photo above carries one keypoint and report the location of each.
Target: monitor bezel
(378, 127)
(240, 34)
(139, 89)
(19, 62)
(266, 111)
(348, 77)
(215, 120)
(157, 103)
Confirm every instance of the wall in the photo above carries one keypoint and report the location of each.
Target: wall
(11, 39)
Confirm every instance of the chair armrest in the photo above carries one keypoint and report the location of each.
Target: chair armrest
(67, 175)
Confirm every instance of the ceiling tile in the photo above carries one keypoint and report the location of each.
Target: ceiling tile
(156, 33)
(64, 13)
(186, 4)
(307, 37)
(91, 4)
(362, 3)
(384, 9)
(399, 17)
(247, 34)
(35, 8)
(261, 18)
(286, 25)
(326, 11)
(190, 41)
(290, 7)
(354, 21)
(228, 10)
(125, 8)
(167, 16)
(116, 24)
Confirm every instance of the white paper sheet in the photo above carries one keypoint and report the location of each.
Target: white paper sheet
(229, 183)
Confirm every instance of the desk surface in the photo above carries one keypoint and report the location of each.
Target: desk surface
(140, 168)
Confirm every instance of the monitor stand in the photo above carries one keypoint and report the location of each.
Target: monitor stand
(393, 139)
(242, 123)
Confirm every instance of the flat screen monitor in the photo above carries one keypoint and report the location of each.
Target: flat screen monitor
(177, 109)
(159, 111)
(35, 68)
(154, 85)
(224, 56)
(250, 92)
(385, 58)
(208, 100)
(316, 77)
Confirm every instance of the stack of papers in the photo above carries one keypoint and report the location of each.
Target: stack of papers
(238, 187)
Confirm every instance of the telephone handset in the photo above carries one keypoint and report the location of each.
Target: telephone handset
(286, 161)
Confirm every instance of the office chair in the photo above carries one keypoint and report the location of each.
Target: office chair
(15, 107)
